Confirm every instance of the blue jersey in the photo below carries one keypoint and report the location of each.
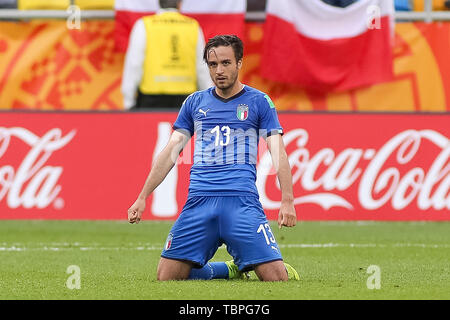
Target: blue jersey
(226, 133)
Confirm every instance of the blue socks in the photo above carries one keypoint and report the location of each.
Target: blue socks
(211, 270)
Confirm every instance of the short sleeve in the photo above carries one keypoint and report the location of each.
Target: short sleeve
(184, 120)
(268, 118)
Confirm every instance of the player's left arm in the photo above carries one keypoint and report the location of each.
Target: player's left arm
(287, 216)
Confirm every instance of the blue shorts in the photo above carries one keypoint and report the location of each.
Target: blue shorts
(205, 223)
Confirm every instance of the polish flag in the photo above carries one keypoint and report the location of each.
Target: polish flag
(217, 16)
(214, 16)
(325, 48)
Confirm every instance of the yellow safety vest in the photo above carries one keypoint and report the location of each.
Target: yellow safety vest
(170, 58)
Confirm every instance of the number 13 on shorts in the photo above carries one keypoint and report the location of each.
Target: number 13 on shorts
(266, 231)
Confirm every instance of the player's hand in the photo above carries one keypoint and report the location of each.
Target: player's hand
(136, 210)
(287, 216)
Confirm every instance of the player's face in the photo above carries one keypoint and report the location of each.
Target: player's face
(223, 67)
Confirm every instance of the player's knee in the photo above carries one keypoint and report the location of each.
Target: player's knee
(281, 276)
(272, 271)
(166, 275)
(172, 270)
(161, 275)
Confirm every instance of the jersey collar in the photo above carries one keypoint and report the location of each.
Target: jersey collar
(237, 95)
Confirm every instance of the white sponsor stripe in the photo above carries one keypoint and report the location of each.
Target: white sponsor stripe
(214, 6)
(137, 5)
(318, 20)
(188, 6)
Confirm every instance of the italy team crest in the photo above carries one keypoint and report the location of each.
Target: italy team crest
(242, 112)
(168, 243)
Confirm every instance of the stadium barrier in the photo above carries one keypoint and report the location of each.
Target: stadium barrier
(424, 10)
(349, 166)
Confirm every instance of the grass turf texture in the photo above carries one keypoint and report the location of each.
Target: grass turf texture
(118, 261)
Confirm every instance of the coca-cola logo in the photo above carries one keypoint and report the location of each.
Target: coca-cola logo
(31, 183)
(428, 187)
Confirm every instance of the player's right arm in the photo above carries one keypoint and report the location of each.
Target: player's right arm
(164, 162)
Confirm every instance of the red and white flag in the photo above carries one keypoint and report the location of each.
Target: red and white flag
(127, 12)
(214, 16)
(217, 16)
(325, 48)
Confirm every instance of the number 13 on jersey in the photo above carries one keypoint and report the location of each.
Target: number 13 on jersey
(226, 131)
(265, 229)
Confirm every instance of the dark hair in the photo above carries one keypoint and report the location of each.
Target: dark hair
(225, 41)
(165, 4)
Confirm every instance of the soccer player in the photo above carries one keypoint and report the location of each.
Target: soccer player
(223, 203)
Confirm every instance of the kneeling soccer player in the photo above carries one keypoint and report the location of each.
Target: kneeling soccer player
(223, 204)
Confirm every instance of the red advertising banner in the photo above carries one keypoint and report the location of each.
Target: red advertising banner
(344, 166)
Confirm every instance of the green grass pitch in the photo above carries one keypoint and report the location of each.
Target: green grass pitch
(117, 260)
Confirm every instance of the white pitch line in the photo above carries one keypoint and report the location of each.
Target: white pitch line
(46, 248)
(363, 245)
(17, 247)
